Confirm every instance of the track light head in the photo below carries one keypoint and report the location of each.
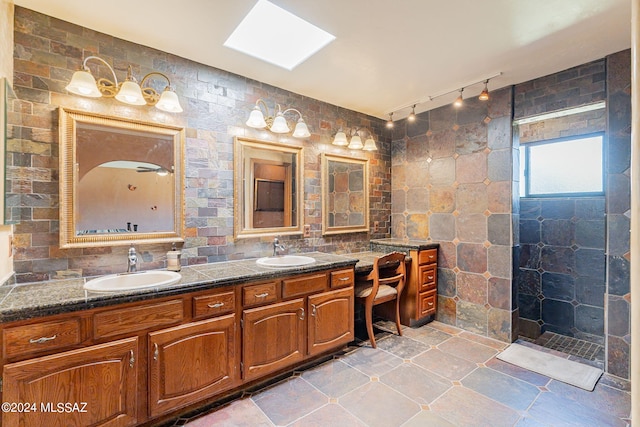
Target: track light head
(459, 101)
(412, 117)
(390, 121)
(484, 95)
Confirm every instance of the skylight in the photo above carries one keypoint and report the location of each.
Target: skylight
(277, 36)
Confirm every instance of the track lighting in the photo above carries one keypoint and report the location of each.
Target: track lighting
(459, 101)
(276, 123)
(412, 117)
(390, 121)
(484, 95)
(129, 92)
(340, 139)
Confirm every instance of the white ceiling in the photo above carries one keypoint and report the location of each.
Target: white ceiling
(387, 55)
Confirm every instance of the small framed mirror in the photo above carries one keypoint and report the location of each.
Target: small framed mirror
(121, 181)
(345, 194)
(268, 189)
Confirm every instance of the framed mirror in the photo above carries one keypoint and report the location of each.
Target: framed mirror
(121, 181)
(268, 188)
(345, 194)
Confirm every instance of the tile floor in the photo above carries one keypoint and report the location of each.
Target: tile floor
(435, 375)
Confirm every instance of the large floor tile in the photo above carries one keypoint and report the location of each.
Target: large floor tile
(371, 361)
(602, 398)
(239, 413)
(335, 378)
(402, 347)
(445, 364)
(426, 335)
(469, 350)
(289, 400)
(378, 405)
(464, 407)
(427, 418)
(416, 383)
(507, 390)
(329, 415)
(556, 410)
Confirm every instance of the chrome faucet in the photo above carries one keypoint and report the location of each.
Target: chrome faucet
(132, 262)
(277, 246)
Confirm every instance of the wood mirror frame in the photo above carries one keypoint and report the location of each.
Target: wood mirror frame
(261, 167)
(345, 194)
(88, 141)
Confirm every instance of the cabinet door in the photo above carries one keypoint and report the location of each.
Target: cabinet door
(273, 337)
(331, 316)
(93, 386)
(191, 362)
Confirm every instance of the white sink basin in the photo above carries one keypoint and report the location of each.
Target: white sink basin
(130, 281)
(283, 261)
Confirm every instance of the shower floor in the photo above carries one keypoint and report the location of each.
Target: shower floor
(573, 346)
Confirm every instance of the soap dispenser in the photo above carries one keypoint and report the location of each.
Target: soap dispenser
(173, 259)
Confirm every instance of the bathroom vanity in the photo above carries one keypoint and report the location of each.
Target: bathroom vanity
(75, 358)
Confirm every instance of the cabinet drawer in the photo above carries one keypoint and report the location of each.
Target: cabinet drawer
(427, 277)
(29, 339)
(214, 304)
(429, 256)
(304, 285)
(427, 303)
(132, 319)
(259, 294)
(342, 278)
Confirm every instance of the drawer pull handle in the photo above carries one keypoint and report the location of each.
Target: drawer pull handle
(431, 257)
(216, 305)
(155, 351)
(132, 358)
(313, 310)
(430, 277)
(301, 317)
(344, 279)
(266, 294)
(430, 304)
(42, 340)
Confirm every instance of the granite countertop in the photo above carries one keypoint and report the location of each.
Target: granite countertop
(419, 245)
(37, 299)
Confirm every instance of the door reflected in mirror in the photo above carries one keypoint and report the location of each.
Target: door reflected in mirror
(121, 181)
(345, 194)
(267, 197)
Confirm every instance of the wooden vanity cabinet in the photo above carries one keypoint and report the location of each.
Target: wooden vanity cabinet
(311, 320)
(99, 382)
(419, 298)
(138, 362)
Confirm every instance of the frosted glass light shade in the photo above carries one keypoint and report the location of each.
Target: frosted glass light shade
(82, 83)
(130, 93)
(356, 143)
(370, 145)
(169, 102)
(256, 119)
(301, 130)
(340, 139)
(279, 124)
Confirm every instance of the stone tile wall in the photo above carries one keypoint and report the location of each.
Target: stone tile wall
(561, 282)
(618, 155)
(452, 184)
(46, 53)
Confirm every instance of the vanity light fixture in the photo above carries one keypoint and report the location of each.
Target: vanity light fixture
(129, 92)
(340, 139)
(276, 123)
